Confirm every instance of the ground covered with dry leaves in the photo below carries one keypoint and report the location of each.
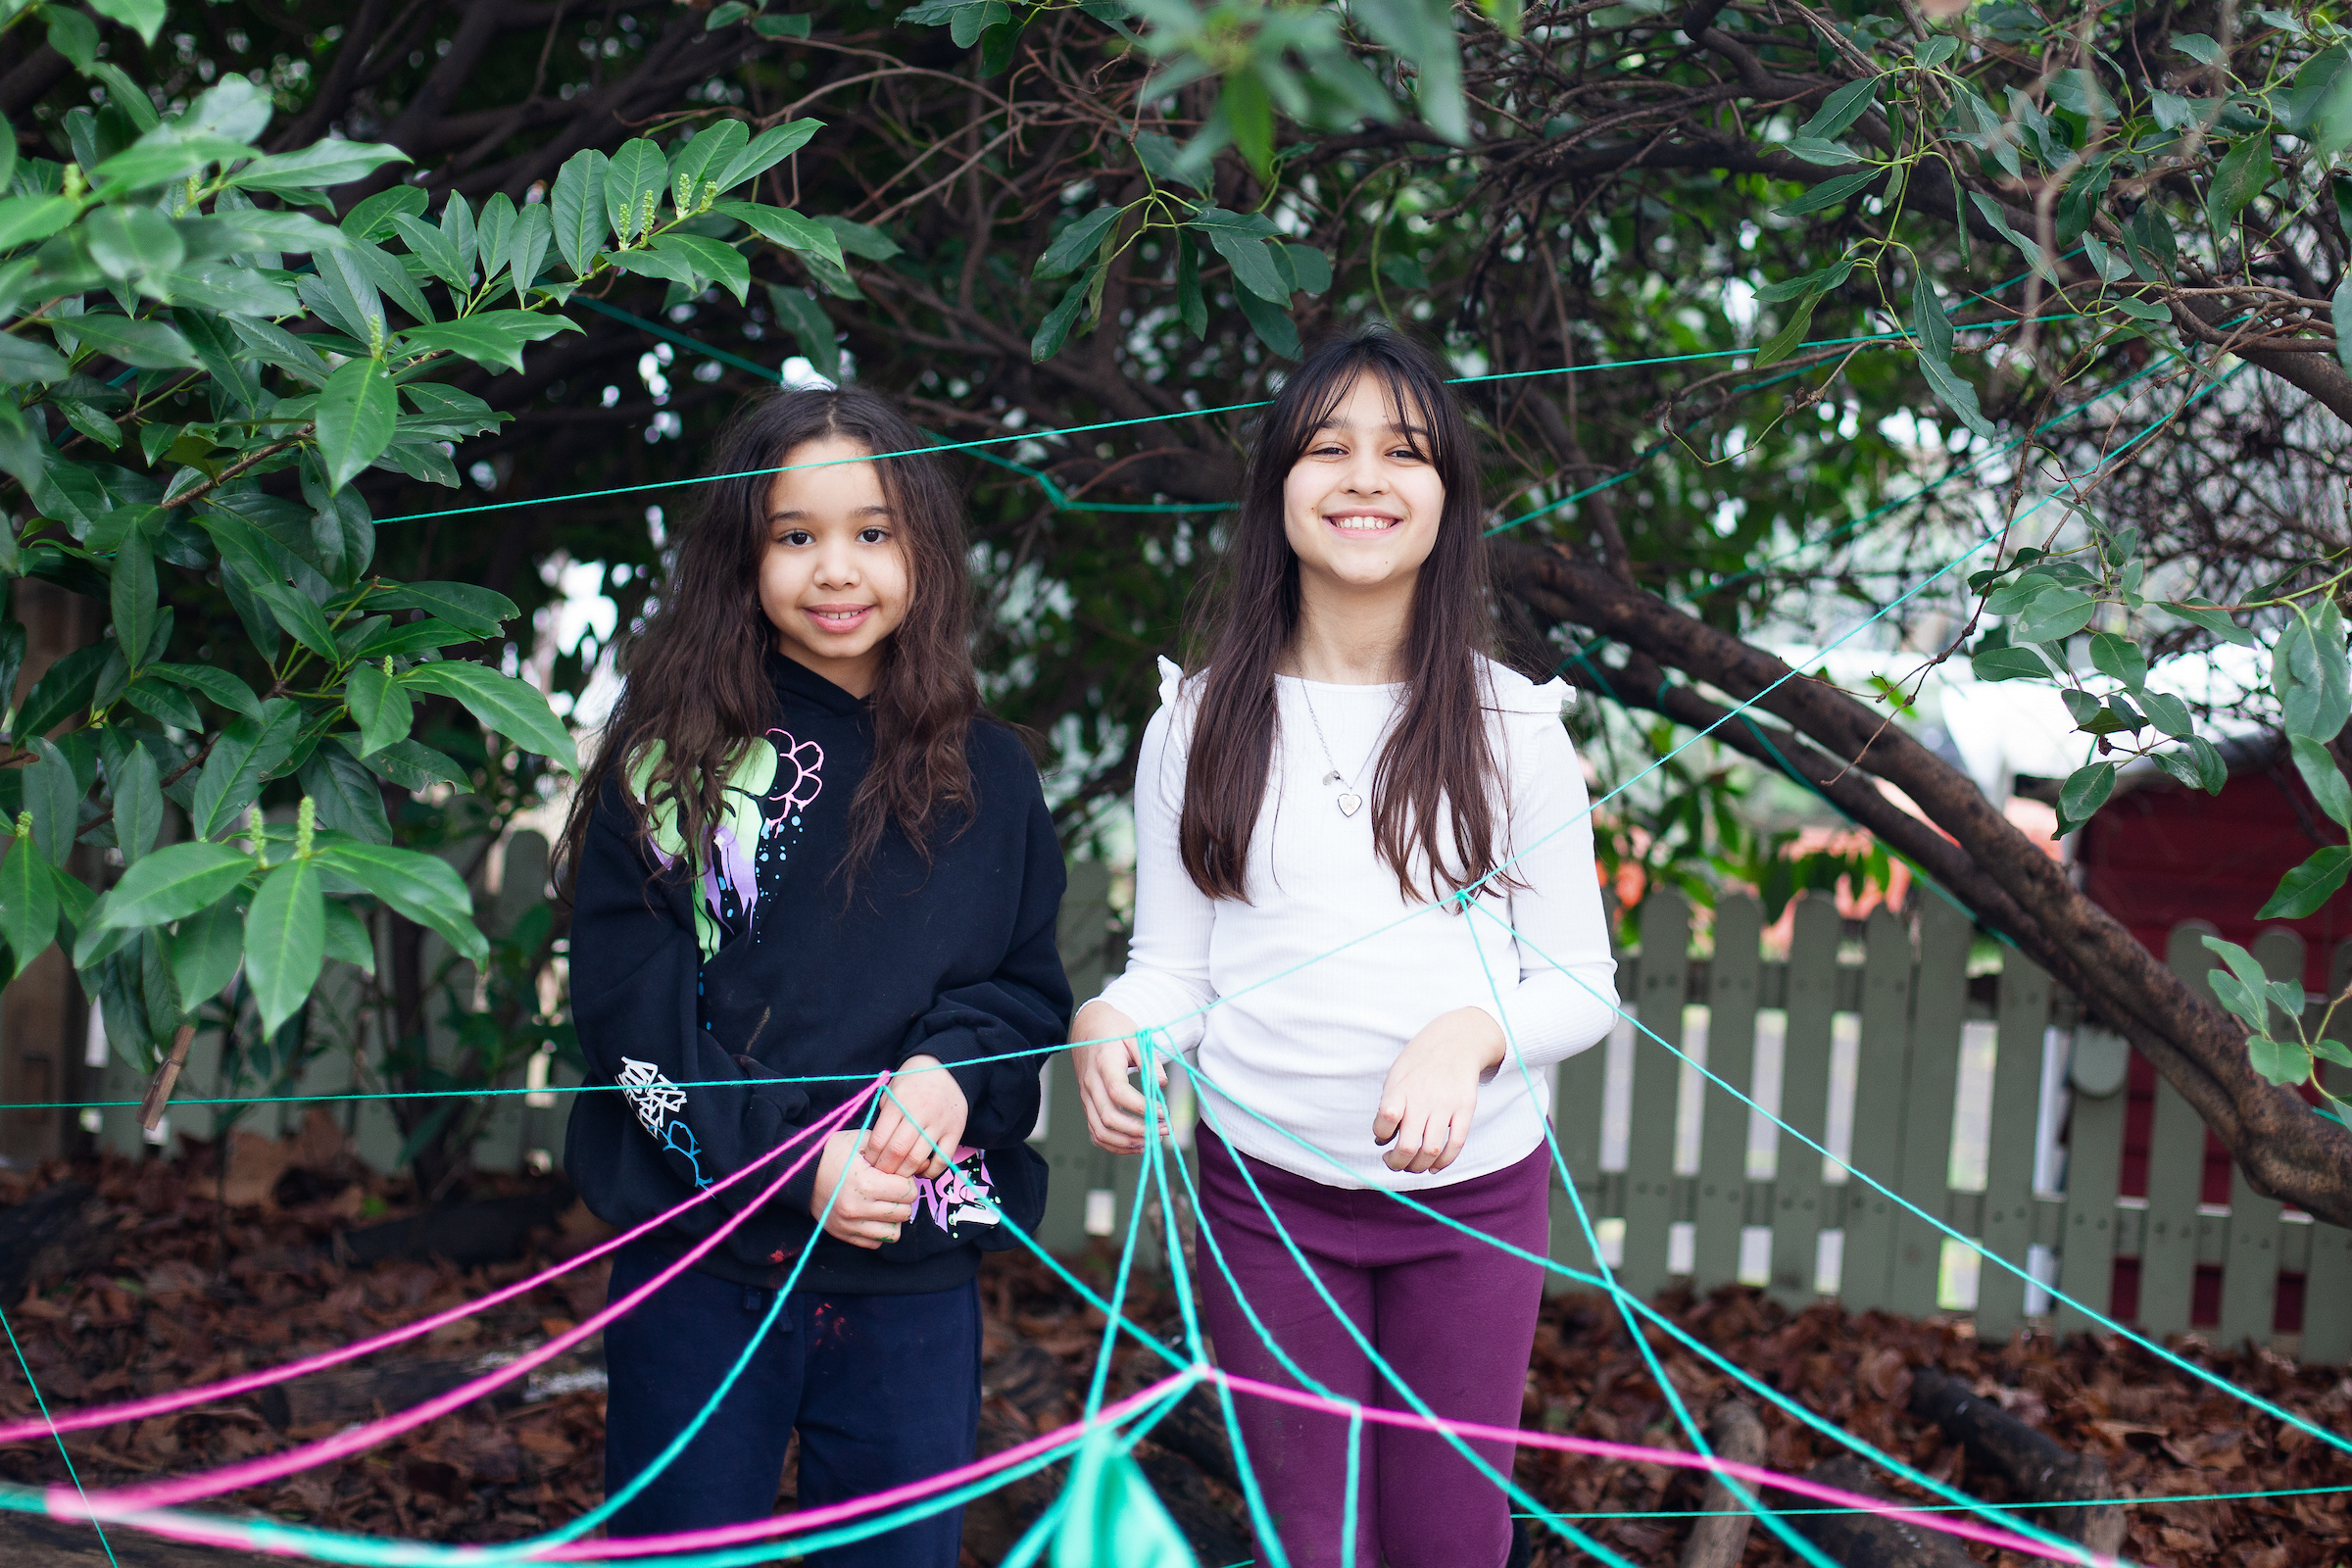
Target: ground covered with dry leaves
(192, 1293)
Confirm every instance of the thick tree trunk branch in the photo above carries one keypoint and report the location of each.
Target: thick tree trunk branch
(2287, 1151)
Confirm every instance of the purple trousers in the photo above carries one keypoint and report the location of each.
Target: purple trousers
(1453, 1316)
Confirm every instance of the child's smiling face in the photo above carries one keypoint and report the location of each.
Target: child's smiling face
(834, 580)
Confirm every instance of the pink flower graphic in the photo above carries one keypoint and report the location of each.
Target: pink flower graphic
(797, 765)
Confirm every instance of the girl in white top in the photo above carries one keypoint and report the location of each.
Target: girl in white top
(1366, 907)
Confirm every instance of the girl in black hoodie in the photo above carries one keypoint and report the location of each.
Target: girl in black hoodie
(800, 859)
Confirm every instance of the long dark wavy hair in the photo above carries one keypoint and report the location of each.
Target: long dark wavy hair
(696, 677)
(1436, 772)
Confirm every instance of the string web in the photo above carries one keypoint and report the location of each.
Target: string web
(1099, 1503)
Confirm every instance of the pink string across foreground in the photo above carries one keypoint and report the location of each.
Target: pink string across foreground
(212, 1531)
(65, 1503)
(105, 1415)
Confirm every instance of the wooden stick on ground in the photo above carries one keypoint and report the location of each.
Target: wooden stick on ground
(2033, 1462)
(1716, 1541)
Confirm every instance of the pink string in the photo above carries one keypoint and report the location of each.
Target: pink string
(107, 1415)
(107, 1505)
(1991, 1535)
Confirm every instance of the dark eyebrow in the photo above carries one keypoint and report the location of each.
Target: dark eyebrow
(1413, 432)
(793, 514)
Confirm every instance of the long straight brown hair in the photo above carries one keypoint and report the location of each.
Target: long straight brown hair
(1436, 768)
(697, 684)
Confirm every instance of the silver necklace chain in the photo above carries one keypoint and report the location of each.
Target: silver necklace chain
(1350, 801)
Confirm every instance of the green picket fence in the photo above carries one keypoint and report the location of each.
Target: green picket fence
(1982, 1098)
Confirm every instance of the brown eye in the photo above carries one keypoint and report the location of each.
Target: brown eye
(794, 537)
(872, 536)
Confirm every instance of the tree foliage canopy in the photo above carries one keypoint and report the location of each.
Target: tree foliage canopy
(1770, 311)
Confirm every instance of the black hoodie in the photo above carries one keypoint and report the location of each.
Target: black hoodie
(770, 964)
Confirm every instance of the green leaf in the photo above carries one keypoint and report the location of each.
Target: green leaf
(174, 883)
(2086, 790)
(810, 327)
(692, 161)
(129, 242)
(61, 692)
(2242, 964)
(2199, 47)
(2241, 176)
(2214, 620)
(2168, 713)
(781, 26)
(1190, 304)
(2282, 1061)
(513, 708)
(785, 227)
(217, 684)
(244, 755)
(1958, 395)
(1814, 149)
(576, 207)
(412, 767)
(355, 414)
(1271, 323)
(26, 218)
(721, 264)
(637, 171)
(2317, 764)
(138, 804)
(433, 248)
(765, 151)
(143, 17)
(148, 345)
(1784, 342)
(53, 795)
(1305, 269)
(2035, 257)
(1054, 329)
(132, 595)
(317, 166)
(1840, 108)
(1076, 245)
(2054, 614)
(2120, 658)
(28, 904)
(347, 795)
(479, 610)
(285, 941)
(2312, 675)
(205, 951)
(860, 239)
(424, 887)
(526, 253)
(302, 618)
(491, 338)
(384, 709)
(347, 938)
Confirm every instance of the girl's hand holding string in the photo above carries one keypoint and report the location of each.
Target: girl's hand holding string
(1431, 1095)
(873, 1204)
(1105, 1054)
(920, 1124)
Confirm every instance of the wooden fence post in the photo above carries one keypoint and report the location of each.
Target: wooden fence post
(1868, 1249)
(1938, 1003)
(2008, 1228)
(2327, 1277)
(1070, 1155)
(2168, 1248)
(2099, 1069)
(1797, 1192)
(1720, 1208)
(1579, 1088)
(1657, 1075)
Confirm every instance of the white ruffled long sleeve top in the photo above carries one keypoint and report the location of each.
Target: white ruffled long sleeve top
(1295, 1004)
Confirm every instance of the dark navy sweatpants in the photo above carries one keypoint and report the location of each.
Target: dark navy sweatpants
(884, 1390)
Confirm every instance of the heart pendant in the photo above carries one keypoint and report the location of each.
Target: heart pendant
(1350, 804)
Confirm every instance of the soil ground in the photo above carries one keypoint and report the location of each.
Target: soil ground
(192, 1293)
